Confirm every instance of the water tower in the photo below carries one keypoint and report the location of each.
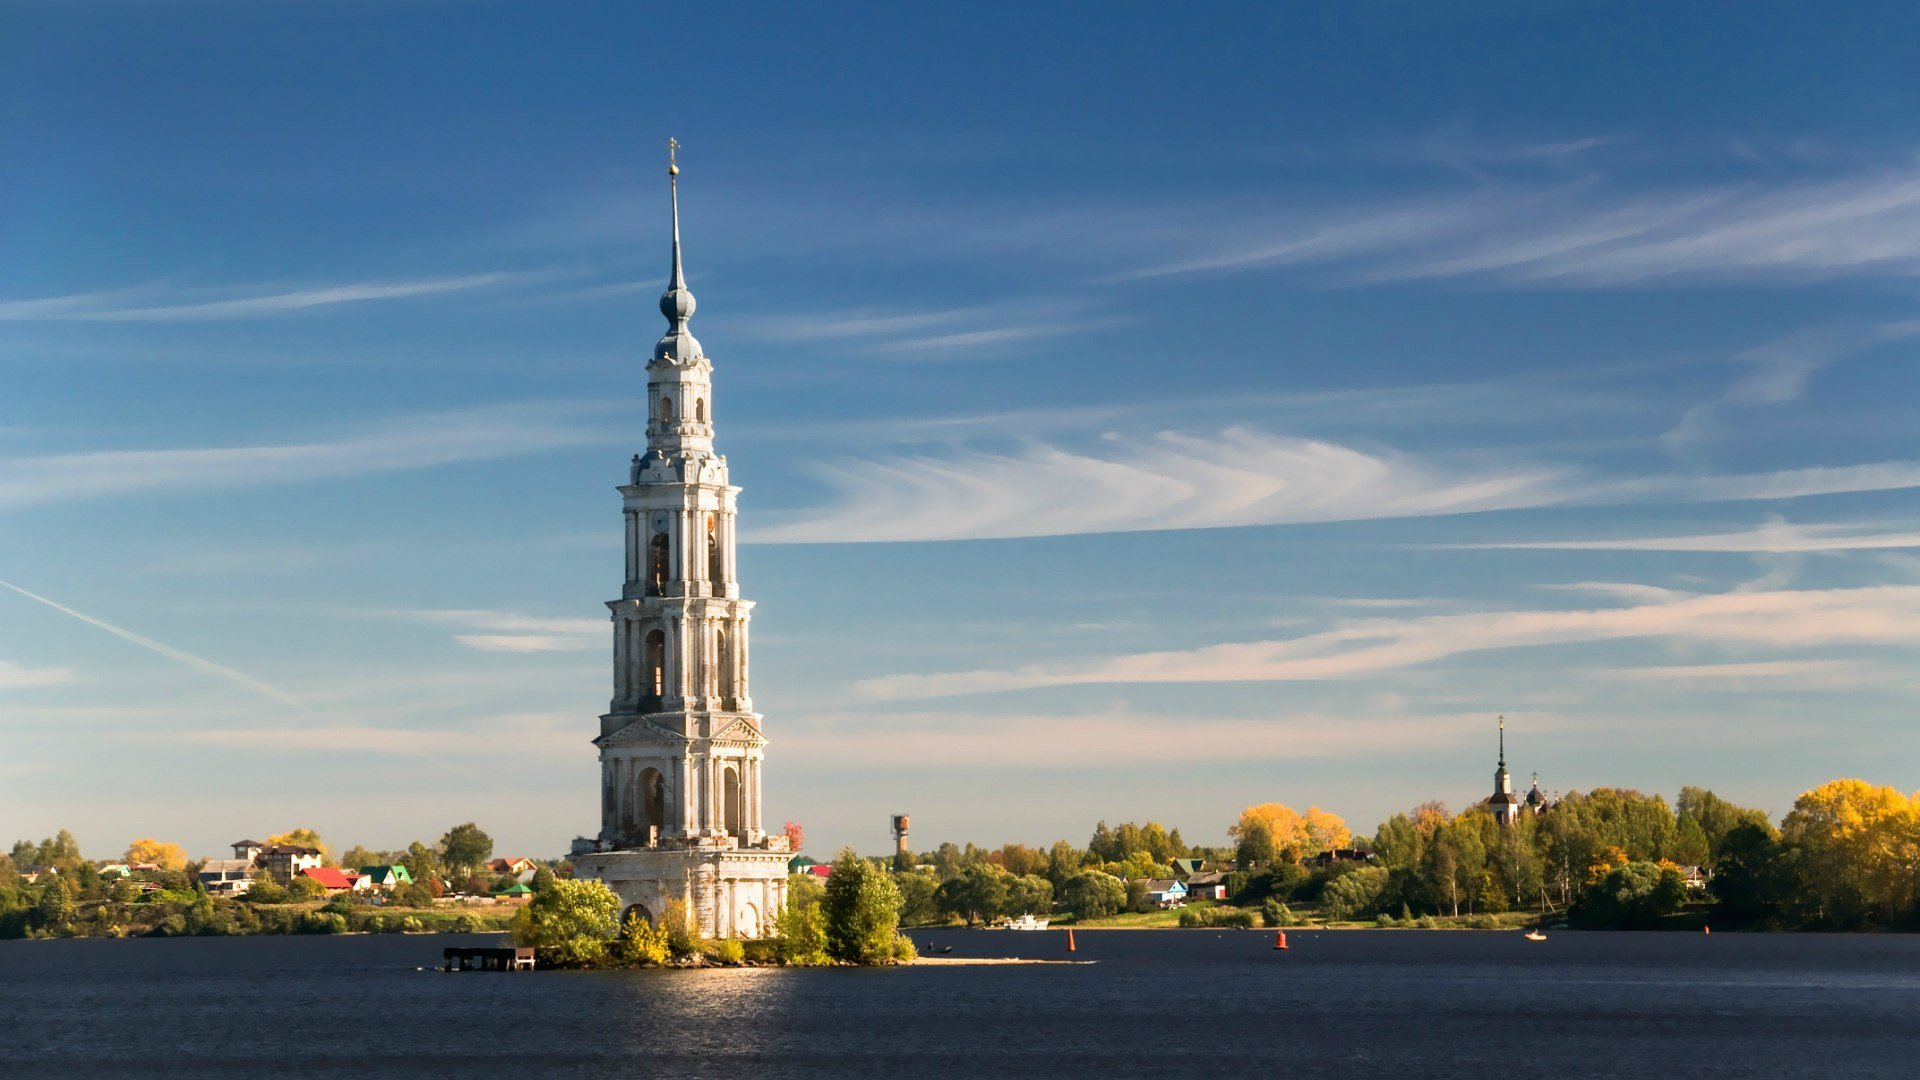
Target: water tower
(900, 834)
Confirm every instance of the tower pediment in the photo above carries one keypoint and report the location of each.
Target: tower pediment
(641, 732)
(741, 731)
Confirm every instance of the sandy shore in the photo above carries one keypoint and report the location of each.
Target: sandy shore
(991, 960)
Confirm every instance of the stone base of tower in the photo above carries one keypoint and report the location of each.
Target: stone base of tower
(730, 892)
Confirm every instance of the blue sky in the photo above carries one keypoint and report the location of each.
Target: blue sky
(1139, 417)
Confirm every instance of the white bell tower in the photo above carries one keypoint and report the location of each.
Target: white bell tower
(680, 746)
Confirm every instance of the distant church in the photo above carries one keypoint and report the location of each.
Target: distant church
(680, 746)
(1507, 806)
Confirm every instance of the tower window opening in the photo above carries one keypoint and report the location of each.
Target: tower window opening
(699, 411)
(657, 564)
(730, 794)
(654, 677)
(666, 409)
(653, 803)
(716, 569)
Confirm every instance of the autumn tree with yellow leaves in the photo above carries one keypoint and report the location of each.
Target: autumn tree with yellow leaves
(164, 855)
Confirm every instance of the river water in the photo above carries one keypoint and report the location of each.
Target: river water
(1216, 1004)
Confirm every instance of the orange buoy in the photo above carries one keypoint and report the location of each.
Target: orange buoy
(1705, 929)
(1070, 945)
(1279, 939)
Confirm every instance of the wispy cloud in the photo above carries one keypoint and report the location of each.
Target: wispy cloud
(505, 631)
(1775, 537)
(179, 656)
(1584, 235)
(1778, 372)
(1235, 477)
(511, 736)
(1121, 737)
(1882, 615)
(18, 677)
(1802, 673)
(157, 304)
(1167, 481)
(881, 331)
(411, 442)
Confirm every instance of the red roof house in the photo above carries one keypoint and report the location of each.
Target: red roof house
(329, 877)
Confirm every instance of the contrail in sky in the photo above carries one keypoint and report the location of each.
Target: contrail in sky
(198, 662)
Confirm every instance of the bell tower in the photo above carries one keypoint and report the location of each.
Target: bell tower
(680, 745)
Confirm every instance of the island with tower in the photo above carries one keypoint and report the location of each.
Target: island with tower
(681, 748)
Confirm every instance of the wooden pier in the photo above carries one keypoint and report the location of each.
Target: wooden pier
(487, 960)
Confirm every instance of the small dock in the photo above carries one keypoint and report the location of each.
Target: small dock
(487, 960)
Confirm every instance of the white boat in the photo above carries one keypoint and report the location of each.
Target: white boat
(1535, 935)
(1026, 922)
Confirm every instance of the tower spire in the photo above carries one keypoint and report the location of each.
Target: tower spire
(677, 280)
(678, 344)
(1503, 742)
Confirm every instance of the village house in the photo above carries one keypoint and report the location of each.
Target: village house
(1207, 885)
(515, 867)
(283, 861)
(226, 877)
(384, 878)
(330, 878)
(1166, 892)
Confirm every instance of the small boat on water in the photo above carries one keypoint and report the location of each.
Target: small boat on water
(1026, 922)
(1536, 935)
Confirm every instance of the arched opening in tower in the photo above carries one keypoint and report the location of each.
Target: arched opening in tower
(716, 573)
(653, 801)
(658, 550)
(653, 678)
(730, 799)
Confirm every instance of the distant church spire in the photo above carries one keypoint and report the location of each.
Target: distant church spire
(1503, 743)
(678, 344)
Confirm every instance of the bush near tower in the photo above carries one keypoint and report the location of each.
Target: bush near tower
(862, 913)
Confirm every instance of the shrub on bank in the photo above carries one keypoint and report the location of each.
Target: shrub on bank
(1216, 916)
(570, 923)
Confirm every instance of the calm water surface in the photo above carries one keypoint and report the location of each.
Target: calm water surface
(1157, 1003)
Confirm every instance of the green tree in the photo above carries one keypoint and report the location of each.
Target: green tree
(976, 893)
(569, 923)
(422, 863)
(1094, 895)
(1630, 897)
(1455, 859)
(1029, 894)
(1746, 882)
(1104, 845)
(801, 927)
(1353, 895)
(1690, 846)
(862, 910)
(681, 927)
(946, 859)
(1063, 862)
(466, 848)
(1397, 843)
(1256, 848)
(1716, 817)
(542, 880)
(640, 944)
(917, 906)
(358, 856)
(53, 907)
